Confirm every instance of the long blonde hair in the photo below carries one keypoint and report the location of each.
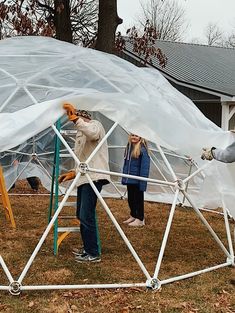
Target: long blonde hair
(135, 153)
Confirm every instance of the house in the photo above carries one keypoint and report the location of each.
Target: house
(205, 74)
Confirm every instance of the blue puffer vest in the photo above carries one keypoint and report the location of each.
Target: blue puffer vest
(137, 167)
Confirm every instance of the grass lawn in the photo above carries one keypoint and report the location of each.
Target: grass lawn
(190, 248)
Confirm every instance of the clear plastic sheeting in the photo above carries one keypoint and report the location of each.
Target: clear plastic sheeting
(39, 74)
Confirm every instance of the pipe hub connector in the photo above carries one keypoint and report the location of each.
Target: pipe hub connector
(153, 284)
(179, 184)
(15, 288)
(83, 168)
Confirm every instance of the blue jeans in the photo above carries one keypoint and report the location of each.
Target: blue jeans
(86, 213)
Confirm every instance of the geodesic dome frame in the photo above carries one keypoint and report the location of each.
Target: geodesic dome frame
(147, 105)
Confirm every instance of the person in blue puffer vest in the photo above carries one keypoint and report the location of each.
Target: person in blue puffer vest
(137, 163)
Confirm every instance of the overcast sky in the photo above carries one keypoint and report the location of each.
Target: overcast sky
(198, 14)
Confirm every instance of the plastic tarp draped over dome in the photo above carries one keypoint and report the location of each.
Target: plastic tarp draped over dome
(38, 74)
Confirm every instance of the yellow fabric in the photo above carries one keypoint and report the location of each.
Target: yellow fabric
(5, 199)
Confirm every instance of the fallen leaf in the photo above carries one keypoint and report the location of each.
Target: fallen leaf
(74, 307)
(31, 304)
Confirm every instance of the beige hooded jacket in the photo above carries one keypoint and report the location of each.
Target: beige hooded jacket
(88, 136)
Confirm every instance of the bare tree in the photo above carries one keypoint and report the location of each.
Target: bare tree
(167, 17)
(107, 25)
(90, 22)
(67, 20)
(230, 42)
(144, 44)
(62, 20)
(84, 21)
(214, 35)
(75, 21)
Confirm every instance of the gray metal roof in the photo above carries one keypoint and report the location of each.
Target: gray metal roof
(211, 68)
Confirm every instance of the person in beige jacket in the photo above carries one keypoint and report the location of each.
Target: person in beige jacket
(89, 134)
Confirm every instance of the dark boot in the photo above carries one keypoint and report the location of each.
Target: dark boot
(33, 182)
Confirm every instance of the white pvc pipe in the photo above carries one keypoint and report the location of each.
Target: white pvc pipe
(43, 167)
(93, 152)
(119, 229)
(49, 226)
(154, 163)
(176, 278)
(157, 167)
(187, 183)
(131, 176)
(211, 211)
(45, 170)
(30, 96)
(45, 153)
(27, 164)
(95, 286)
(102, 76)
(166, 234)
(207, 225)
(29, 194)
(8, 99)
(196, 172)
(5, 268)
(4, 288)
(52, 87)
(166, 162)
(47, 69)
(19, 152)
(229, 237)
(116, 188)
(7, 73)
(101, 142)
(171, 154)
(195, 164)
(117, 147)
(8, 85)
(65, 144)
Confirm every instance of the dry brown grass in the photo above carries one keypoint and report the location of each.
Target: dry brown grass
(189, 248)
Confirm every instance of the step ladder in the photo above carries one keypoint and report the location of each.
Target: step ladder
(5, 200)
(60, 232)
(65, 231)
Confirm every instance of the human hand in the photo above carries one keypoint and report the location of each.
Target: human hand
(71, 112)
(66, 176)
(207, 154)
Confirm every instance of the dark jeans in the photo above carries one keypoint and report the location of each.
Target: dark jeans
(136, 201)
(86, 213)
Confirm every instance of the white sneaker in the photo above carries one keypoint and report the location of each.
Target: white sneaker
(129, 220)
(137, 223)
